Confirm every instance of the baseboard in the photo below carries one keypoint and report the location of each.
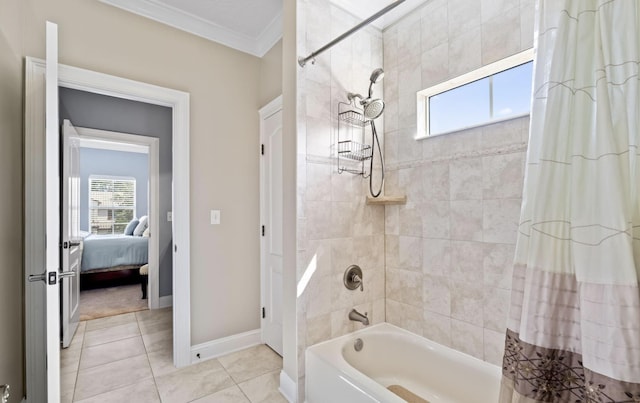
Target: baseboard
(165, 302)
(225, 345)
(288, 387)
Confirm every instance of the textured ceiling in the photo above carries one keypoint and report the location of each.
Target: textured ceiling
(251, 26)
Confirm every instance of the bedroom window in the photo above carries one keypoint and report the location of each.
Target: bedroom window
(112, 204)
(490, 94)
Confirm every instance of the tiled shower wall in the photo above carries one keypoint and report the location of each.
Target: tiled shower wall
(335, 227)
(449, 250)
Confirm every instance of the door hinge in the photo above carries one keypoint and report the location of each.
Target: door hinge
(264, 315)
(262, 149)
(263, 230)
(175, 248)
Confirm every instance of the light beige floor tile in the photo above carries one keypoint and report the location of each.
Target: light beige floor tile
(67, 385)
(251, 362)
(155, 314)
(110, 321)
(161, 362)
(114, 375)
(229, 395)
(110, 352)
(78, 338)
(66, 397)
(69, 360)
(109, 334)
(263, 389)
(193, 382)
(155, 325)
(142, 392)
(158, 341)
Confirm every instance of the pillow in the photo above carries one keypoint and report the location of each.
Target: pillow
(142, 225)
(146, 233)
(131, 226)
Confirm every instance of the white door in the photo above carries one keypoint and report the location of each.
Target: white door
(271, 197)
(52, 211)
(70, 234)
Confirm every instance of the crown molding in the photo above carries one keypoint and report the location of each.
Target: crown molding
(195, 25)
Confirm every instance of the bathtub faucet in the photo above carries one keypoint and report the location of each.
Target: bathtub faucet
(358, 317)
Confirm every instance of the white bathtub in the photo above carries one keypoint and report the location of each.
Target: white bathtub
(336, 373)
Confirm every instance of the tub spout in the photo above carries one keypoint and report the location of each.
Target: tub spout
(358, 317)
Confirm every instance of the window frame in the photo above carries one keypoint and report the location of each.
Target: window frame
(499, 66)
(113, 178)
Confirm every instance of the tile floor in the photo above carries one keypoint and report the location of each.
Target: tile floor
(128, 358)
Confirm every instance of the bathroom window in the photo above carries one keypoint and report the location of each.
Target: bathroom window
(112, 204)
(496, 92)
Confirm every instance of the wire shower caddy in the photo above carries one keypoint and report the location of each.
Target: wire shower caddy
(352, 151)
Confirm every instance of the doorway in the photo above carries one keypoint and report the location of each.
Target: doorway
(85, 80)
(125, 159)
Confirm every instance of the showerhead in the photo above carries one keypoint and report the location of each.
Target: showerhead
(373, 108)
(376, 76)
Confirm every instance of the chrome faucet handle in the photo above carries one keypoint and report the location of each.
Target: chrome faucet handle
(353, 278)
(357, 280)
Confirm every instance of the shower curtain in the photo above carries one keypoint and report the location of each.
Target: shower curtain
(573, 331)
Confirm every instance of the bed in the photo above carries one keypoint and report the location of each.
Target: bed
(107, 252)
(109, 260)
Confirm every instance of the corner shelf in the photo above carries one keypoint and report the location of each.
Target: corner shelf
(386, 200)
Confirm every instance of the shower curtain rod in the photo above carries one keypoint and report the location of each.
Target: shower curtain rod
(302, 61)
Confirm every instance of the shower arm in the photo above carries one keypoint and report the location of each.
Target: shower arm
(302, 61)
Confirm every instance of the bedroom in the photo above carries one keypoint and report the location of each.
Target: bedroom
(114, 182)
(129, 142)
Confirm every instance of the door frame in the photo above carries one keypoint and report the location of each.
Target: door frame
(265, 112)
(104, 84)
(153, 144)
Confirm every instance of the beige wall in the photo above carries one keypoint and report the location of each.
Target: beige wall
(335, 227)
(11, 211)
(449, 250)
(225, 89)
(270, 75)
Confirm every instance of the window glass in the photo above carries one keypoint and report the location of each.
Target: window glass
(494, 92)
(512, 91)
(460, 107)
(112, 204)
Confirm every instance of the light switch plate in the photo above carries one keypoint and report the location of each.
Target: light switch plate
(215, 217)
(169, 216)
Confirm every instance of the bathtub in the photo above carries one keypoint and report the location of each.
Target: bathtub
(336, 372)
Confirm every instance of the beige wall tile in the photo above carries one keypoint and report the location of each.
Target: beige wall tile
(467, 261)
(500, 220)
(411, 218)
(498, 264)
(435, 219)
(435, 25)
(501, 36)
(503, 176)
(405, 286)
(436, 256)
(410, 253)
(467, 302)
(405, 316)
(467, 338)
(465, 179)
(494, 346)
(466, 220)
(435, 181)
(496, 307)
(463, 15)
(437, 294)
(465, 51)
(437, 328)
